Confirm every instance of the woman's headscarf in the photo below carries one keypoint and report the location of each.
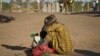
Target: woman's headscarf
(48, 21)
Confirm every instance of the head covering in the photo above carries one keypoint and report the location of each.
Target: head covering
(48, 21)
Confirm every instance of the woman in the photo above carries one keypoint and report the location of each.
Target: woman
(56, 36)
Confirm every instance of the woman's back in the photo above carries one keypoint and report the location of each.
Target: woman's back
(59, 38)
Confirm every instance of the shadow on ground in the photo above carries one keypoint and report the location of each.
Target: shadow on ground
(85, 13)
(97, 16)
(87, 53)
(92, 14)
(26, 50)
(76, 51)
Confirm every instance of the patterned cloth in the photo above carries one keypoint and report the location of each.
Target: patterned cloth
(41, 50)
(59, 38)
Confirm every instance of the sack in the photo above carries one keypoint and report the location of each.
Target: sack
(41, 50)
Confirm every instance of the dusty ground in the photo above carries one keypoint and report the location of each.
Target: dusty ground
(15, 36)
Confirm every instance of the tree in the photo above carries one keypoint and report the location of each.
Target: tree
(0, 4)
(5, 6)
(19, 2)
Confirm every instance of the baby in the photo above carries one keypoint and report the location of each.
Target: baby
(36, 39)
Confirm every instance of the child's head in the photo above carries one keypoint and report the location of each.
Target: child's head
(34, 34)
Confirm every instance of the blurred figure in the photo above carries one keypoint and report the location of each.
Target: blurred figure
(95, 5)
(5, 19)
(60, 5)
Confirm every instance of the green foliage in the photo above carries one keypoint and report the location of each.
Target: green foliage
(19, 2)
(99, 4)
(34, 5)
(5, 5)
(78, 6)
(24, 5)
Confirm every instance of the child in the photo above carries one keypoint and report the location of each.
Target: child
(36, 40)
(39, 49)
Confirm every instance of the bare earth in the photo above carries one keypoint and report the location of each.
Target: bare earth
(15, 36)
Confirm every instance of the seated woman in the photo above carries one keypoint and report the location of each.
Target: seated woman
(56, 36)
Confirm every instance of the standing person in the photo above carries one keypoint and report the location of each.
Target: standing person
(56, 36)
(94, 5)
(60, 5)
(68, 6)
(38, 1)
(97, 5)
(42, 2)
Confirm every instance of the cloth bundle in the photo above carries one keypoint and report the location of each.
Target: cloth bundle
(41, 50)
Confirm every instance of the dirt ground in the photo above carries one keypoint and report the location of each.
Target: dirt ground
(15, 36)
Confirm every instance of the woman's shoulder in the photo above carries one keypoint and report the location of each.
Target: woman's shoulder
(59, 24)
